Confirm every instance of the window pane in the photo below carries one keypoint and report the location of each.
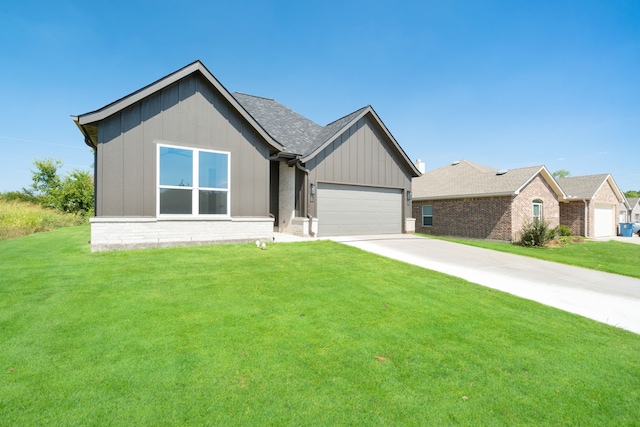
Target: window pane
(427, 221)
(536, 210)
(173, 201)
(213, 170)
(213, 202)
(427, 210)
(176, 167)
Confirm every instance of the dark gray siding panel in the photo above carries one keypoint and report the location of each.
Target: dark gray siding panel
(133, 154)
(111, 170)
(188, 113)
(362, 155)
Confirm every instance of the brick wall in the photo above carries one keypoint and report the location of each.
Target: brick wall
(522, 208)
(494, 218)
(572, 215)
(132, 233)
(474, 217)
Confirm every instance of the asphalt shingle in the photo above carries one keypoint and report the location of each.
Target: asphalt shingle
(582, 187)
(467, 179)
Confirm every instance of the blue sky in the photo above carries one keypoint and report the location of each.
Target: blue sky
(503, 83)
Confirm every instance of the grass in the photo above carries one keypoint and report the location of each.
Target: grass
(610, 256)
(300, 334)
(18, 218)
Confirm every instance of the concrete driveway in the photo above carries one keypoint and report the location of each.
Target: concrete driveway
(605, 297)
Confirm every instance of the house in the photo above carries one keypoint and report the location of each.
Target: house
(591, 205)
(634, 212)
(624, 210)
(184, 161)
(470, 200)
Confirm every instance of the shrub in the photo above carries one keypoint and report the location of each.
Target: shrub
(563, 231)
(536, 233)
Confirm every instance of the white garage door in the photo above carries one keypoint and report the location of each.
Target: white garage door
(604, 217)
(350, 210)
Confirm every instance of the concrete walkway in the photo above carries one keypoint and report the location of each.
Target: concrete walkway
(605, 297)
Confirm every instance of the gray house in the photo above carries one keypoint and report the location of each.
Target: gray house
(183, 161)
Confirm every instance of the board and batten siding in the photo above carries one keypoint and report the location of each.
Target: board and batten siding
(189, 113)
(360, 156)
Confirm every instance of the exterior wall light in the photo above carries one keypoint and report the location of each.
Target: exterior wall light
(409, 196)
(313, 189)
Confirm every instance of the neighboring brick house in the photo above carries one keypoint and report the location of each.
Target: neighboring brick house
(590, 207)
(466, 199)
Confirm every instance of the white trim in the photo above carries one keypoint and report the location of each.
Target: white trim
(195, 185)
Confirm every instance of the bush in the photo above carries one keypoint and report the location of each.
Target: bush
(563, 231)
(536, 233)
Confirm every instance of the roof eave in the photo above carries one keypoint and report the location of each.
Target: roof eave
(368, 110)
(160, 84)
(462, 196)
(548, 178)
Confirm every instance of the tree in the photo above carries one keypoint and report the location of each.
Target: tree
(632, 193)
(76, 193)
(561, 173)
(46, 182)
(72, 193)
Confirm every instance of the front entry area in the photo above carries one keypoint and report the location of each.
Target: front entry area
(345, 210)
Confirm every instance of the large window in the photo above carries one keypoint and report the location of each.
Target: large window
(192, 182)
(427, 216)
(537, 210)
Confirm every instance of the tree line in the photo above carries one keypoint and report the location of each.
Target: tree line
(70, 193)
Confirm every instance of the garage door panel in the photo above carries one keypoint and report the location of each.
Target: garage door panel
(349, 210)
(604, 216)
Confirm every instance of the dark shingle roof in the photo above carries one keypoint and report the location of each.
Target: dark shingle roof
(294, 131)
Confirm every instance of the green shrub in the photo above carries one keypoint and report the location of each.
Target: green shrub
(536, 233)
(563, 231)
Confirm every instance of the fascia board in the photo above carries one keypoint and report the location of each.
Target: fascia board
(548, 178)
(463, 196)
(334, 137)
(615, 188)
(368, 110)
(158, 85)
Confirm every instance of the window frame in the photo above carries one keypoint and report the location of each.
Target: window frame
(540, 204)
(424, 216)
(195, 186)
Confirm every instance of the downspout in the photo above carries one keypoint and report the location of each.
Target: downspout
(308, 196)
(586, 216)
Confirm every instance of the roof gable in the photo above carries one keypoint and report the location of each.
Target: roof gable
(466, 179)
(292, 130)
(84, 121)
(587, 186)
(304, 137)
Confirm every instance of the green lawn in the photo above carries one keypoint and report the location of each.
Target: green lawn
(611, 256)
(299, 334)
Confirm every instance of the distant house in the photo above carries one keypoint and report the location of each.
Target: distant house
(184, 161)
(591, 205)
(634, 206)
(470, 200)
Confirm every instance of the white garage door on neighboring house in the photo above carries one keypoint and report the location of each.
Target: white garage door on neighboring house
(351, 210)
(604, 220)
